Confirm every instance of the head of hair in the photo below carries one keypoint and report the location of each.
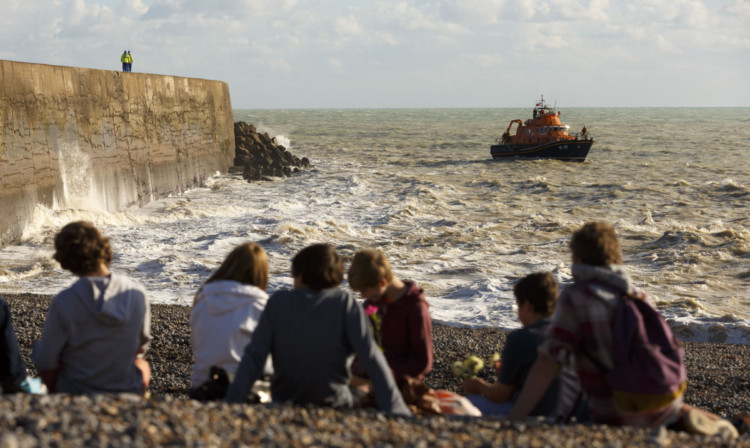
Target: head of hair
(596, 244)
(80, 248)
(319, 267)
(246, 263)
(368, 268)
(540, 290)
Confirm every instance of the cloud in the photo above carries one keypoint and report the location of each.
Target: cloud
(275, 65)
(419, 18)
(738, 7)
(347, 26)
(485, 60)
(385, 38)
(336, 65)
(422, 44)
(524, 9)
(138, 7)
(471, 11)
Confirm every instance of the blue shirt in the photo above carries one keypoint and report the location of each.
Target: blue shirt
(520, 353)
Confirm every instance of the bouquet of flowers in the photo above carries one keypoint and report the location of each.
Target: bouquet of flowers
(372, 313)
(471, 366)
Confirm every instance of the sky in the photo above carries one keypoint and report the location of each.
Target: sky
(391, 53)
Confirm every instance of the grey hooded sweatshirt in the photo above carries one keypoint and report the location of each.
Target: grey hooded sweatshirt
(94, 331)
(313, 337)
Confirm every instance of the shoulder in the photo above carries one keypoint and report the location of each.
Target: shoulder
(519, 336)
(576, 293)
(233, 288)
(528, 336)
(283, 295)
(414, 294)
(339, 295)
(122, 282)
(80, 287)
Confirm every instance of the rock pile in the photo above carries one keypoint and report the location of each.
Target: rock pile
(258, 156)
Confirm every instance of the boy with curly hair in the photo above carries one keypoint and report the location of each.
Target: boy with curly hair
(98, 330)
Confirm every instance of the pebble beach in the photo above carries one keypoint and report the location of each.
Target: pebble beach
(718, 380)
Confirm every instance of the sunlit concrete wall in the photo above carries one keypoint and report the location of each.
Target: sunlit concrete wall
(82, 138)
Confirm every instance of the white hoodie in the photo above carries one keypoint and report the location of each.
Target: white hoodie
(222, 323)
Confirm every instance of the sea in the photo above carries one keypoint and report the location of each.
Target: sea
(420, 185)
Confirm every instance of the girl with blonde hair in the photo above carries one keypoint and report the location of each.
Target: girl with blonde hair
(225, 313)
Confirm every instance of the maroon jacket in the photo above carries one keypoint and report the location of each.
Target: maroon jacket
(406, 330)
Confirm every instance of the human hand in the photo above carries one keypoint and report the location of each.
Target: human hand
(471, 386)
(496, 362)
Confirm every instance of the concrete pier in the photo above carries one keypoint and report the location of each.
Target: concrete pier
(83, 138)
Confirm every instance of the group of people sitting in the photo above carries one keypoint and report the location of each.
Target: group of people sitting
(321, 346)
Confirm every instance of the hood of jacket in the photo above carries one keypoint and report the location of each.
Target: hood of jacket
(224, 296)
(612, 275)
(413, 294)
(111, 298)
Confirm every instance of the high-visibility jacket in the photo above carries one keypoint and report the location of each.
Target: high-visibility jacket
(124, 57)
(130, 58)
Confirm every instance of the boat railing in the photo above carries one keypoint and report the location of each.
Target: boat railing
(586, 137)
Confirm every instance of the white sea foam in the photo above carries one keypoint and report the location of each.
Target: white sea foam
(465, 228)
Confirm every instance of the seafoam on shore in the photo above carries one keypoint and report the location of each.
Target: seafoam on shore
(719, 380)
(420, 184)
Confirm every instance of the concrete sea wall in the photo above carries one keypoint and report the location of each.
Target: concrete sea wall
(83, 138)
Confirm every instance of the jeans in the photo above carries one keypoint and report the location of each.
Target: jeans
(12, 365)
(489, 407)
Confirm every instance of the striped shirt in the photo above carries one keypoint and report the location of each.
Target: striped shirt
(581, 330)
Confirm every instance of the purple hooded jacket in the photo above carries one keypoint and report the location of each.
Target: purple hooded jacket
(406, 333)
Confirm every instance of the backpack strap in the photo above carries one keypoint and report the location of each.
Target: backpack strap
(594, 360)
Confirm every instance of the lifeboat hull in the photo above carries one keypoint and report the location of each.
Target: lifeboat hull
(570, 150)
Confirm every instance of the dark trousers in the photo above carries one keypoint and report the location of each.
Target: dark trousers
(12, 365)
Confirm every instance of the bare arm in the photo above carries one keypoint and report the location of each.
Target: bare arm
(498, 392)
(542, 373)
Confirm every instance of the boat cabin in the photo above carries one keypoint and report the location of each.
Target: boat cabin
(544, 127)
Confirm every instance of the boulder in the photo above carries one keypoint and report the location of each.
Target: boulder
(258, 156)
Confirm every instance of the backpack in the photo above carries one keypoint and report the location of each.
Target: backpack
(648, 370)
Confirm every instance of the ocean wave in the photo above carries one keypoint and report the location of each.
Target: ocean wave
(724, 329)
(728, 189)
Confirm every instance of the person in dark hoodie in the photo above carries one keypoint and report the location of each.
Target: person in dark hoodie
(98, 330)
(12, 366)
(398, 313)
(312, 332)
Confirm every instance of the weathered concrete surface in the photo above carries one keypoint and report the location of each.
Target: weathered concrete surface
(84, 138)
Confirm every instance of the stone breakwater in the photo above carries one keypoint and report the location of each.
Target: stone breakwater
(718, 375)
(259, 156)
